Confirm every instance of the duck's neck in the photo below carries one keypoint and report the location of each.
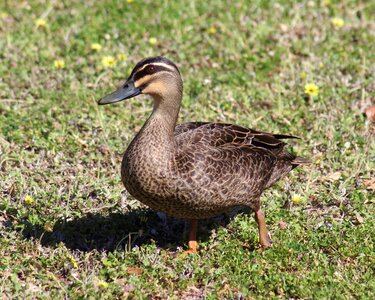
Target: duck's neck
(161, 124)
(166, 112)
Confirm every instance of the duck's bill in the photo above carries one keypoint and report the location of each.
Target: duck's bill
(123, 93)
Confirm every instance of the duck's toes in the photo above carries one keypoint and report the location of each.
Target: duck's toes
(188, 252)
(192, 249)
(193, 245)
(266, 241)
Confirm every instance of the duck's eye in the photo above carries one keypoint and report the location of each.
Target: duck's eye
(150, 69)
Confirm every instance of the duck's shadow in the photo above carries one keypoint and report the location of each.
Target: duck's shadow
(122, 231)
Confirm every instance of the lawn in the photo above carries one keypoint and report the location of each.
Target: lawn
(68, 229)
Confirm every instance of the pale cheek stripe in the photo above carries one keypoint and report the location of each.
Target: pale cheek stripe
(142, 81)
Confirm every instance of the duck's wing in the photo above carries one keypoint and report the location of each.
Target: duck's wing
(249, 153)
(219, 134)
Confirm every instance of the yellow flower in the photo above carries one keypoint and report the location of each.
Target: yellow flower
(311, 89)
(73, 261)
(59, 64)
(327, 2)
(211, 30)
(28, 200)
(40, 23)
(102, 284)
(337, 22)
(3, 15)
(96, 47)
(122, 57)
(296, 199)
(130, 1)
(153, 41)
(108, 61)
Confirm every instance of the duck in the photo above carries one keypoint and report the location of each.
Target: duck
(196, 170)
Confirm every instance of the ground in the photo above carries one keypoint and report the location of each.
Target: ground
(68, 229)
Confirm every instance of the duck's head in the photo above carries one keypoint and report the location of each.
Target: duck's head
(155, 76)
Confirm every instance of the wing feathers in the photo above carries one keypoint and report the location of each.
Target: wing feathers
(218, 134)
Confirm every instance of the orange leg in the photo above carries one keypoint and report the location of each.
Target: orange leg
(193, 236)
(264, 238)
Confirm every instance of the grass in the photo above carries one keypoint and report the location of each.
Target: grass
(68, 227)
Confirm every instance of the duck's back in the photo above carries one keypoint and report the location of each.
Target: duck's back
(232, 142)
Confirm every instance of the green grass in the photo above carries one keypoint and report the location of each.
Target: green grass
(84, 236)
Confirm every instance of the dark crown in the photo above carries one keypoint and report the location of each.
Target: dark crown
(150, 61)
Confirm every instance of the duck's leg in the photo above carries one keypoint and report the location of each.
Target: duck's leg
(193, 236)
(264, 238)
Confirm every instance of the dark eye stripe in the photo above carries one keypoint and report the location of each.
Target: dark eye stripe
(150, 69)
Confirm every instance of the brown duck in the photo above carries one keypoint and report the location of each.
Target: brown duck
(200, 169)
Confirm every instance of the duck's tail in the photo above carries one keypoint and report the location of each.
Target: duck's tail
(300, 161)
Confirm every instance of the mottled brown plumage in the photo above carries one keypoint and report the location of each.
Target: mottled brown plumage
(200, 169)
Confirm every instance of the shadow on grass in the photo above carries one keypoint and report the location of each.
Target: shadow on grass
(122, 231)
